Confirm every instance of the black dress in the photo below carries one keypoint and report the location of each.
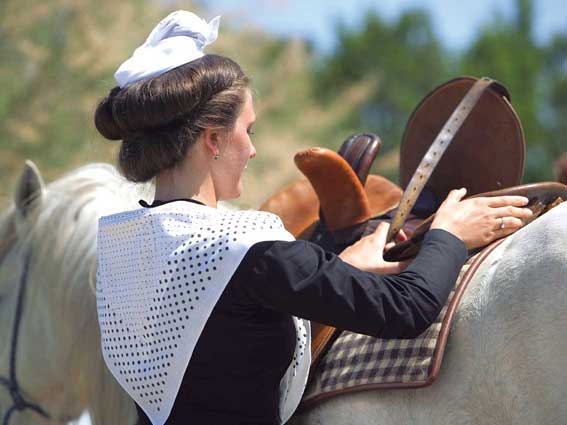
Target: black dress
(248, 342)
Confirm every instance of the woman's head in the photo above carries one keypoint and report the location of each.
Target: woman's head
(161, 118)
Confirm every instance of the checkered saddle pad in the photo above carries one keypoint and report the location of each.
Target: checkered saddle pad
(356, 362)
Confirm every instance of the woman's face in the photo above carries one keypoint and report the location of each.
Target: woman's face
(235, 152)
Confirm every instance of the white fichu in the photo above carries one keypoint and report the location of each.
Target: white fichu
(161, 271)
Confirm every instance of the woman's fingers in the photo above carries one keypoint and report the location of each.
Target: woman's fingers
(393, 267)
(456, 195)
(389, 246)
(506, 224)
(381, 233)
(401, 236)
(510, 211)
(503, 201)
(476, 221)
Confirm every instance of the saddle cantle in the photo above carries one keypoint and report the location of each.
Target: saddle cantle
(444, 157)
(488, 151)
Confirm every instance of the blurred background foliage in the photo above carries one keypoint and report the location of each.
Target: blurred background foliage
(57, 59)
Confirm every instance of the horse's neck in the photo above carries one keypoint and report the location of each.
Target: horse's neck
(107, 402)
(74, 316)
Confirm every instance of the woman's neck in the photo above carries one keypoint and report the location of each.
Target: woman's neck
(179, 183)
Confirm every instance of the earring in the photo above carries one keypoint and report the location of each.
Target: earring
(216, 156)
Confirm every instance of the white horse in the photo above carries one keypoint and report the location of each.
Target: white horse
(506, 361)
(59, 362)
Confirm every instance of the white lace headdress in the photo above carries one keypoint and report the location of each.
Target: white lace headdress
(160, 273)
(178, 39)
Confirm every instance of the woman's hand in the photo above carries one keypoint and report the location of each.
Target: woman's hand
(479, 221)
(476, 221)
(367, 253)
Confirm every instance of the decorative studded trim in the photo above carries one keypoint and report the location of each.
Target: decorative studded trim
(160, 273)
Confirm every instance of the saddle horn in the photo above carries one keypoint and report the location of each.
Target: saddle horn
(341, 194)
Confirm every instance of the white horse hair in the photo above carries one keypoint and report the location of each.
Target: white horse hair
(59, 360)
(506, 361)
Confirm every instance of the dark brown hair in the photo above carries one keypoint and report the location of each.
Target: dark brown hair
(159, 119)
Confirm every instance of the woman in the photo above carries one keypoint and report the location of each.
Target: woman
(195, 302)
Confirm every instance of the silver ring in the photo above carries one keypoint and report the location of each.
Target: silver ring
(501, 223)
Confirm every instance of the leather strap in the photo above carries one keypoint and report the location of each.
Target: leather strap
(435, 152)
(19, 402)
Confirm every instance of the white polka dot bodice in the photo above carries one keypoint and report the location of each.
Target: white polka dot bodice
(160, 273)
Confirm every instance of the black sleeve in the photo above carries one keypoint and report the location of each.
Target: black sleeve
(302, 279)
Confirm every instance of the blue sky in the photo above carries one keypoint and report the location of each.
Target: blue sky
(455, 22)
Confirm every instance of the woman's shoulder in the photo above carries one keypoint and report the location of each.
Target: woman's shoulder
(197, 214)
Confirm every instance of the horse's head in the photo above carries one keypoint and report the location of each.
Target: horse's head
(48, 248)
(17, 282)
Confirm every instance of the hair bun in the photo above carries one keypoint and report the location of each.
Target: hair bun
(160, 118)
(104, 119)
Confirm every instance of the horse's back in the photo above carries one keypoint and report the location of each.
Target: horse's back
(505, 361)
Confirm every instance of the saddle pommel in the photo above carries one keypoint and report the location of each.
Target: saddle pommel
(346, 204)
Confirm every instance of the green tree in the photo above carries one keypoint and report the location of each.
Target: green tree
(507, 52)
(407, 61)
(57, 61)
(555, 97)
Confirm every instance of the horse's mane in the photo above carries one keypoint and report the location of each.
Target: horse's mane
(65, 222)
(61, 232)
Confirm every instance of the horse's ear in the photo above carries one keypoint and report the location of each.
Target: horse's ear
(29, 189)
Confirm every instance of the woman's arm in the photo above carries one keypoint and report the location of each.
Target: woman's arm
(302, 279)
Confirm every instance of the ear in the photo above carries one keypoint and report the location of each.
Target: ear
(29, 190)
(212, 141)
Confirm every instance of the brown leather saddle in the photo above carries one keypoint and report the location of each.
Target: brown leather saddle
(463, 134)
(332, 180)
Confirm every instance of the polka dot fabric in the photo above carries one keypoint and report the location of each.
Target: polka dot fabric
(160, 273)
(294, 381)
